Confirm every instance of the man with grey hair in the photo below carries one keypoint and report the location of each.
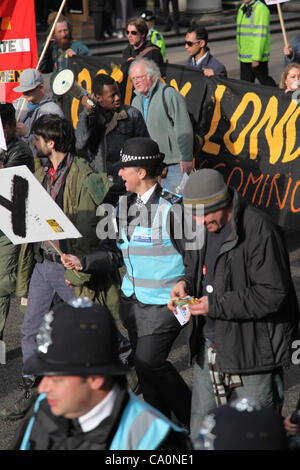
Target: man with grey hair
(246, 312)
(173, 131)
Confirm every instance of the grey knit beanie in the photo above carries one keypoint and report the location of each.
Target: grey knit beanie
(206, 187)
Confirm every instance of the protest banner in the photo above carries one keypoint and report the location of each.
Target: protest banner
(251, 133)
(18, 46)
(27, 212)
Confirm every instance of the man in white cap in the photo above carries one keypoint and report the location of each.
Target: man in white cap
(246, 315)
(37, 103)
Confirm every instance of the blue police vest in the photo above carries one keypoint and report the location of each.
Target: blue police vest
(153, 264)
(141, 427)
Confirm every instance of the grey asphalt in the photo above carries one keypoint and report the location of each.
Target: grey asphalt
(10, 373)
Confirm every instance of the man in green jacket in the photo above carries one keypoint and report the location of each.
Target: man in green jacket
(253, 41)
(173, 131)
(42, 278)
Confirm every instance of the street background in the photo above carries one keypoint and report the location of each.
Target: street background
(223, 47)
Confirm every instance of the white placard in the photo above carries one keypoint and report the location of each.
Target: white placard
(34, 217)
(3, 145)
(273, 2)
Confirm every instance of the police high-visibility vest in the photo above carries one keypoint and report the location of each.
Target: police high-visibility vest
(253, 33)
(141, 427)
(158, 40)
(152, 262)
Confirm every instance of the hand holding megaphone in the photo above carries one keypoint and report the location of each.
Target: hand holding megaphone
(88, 102)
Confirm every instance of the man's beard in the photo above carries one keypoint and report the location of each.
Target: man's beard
(63, 43)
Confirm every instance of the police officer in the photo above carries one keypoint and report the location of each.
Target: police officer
(84, 403)
(147, 219)
(153, 35)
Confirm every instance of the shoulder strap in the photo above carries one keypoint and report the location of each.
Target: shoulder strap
(165, 104)
(145, 51)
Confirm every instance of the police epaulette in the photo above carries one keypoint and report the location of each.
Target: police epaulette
(170, 197)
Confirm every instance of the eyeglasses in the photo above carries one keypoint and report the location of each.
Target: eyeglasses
(190, 44)
(138, 79)
(134, 33)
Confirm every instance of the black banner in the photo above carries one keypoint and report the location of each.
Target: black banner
(250, 132)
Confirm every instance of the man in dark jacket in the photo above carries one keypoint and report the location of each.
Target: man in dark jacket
(17, 153)
(139, 46)
(102, 130)
(246, 315)
(196, 39)
(84, 403)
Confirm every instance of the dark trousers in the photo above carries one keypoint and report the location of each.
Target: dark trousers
(261, 73)
(167, 18)
(162, 386)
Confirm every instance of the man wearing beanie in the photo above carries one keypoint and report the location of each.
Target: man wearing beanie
(246, 316)
(146, 221)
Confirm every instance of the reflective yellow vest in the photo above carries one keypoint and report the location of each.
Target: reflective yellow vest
(253, 32)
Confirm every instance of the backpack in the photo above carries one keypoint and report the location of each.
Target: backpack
(196, 141)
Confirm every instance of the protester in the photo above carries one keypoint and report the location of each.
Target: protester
(74, 186)
(123, 10)
(169, 21)
(84, 403)
(153, 35)
(101, 131)
(16, 154)
(175, 139)
(196, 40)
(292, 53)
(242, 425)
(61, 47)
(290, 78)
(37, 104)
(146, 224)
(253, 41)
(139, 46)
(246, 315)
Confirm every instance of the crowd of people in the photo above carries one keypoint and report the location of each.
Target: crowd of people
(240, 314)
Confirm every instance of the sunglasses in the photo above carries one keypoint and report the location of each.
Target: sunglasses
(134, 33)
(190, 44)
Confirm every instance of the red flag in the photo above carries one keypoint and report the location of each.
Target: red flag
(18, 47)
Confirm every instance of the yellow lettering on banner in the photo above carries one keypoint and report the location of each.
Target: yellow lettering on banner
(269, 116)
(276, 140)
(117, 74)
(101, 71)
(212, 147)
(184, 90)
(128, 91)
(83, 76)
(291, 138)
(236, 147)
